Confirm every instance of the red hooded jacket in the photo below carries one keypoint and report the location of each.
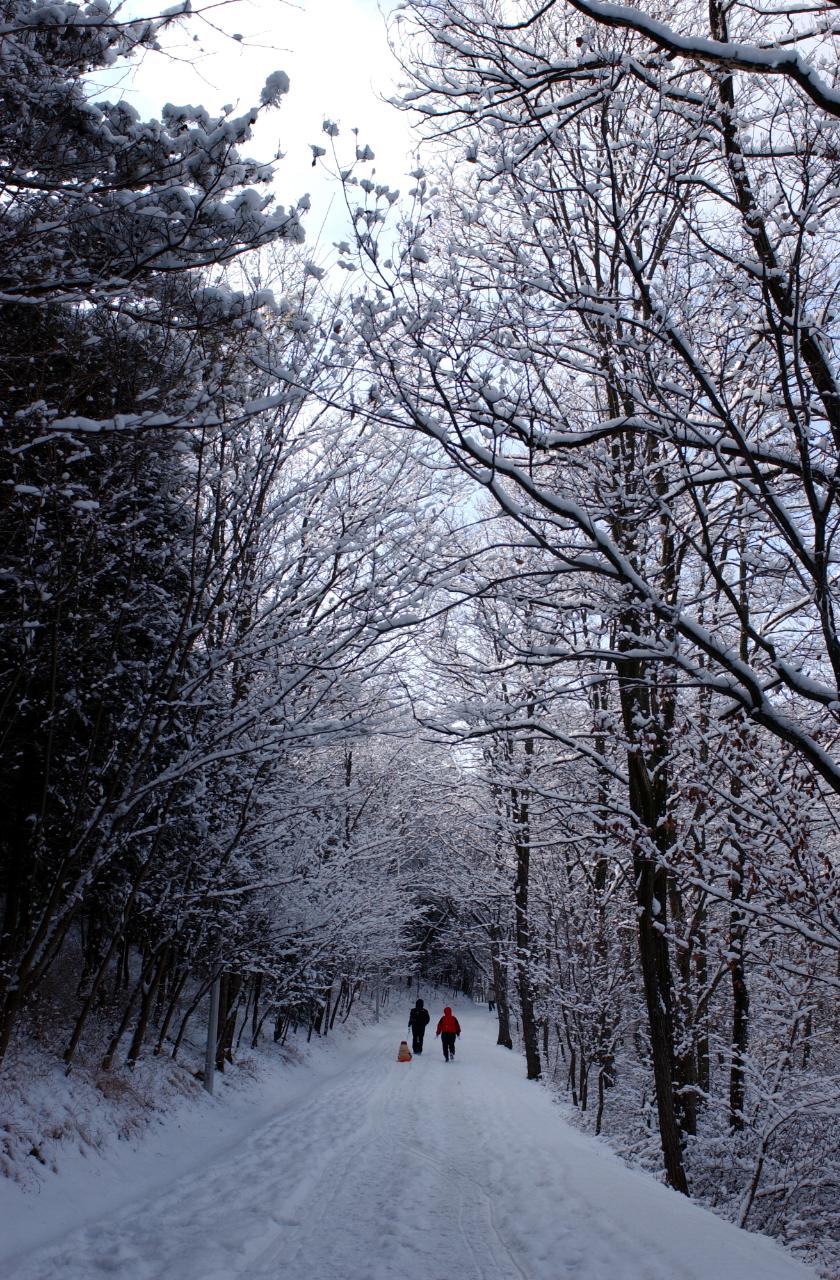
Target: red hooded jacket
(448, 1023)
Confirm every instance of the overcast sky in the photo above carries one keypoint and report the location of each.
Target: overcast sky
(336, 55)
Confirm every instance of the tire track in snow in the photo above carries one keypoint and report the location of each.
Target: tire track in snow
(320, 1183)
(185, 1239)
(425, 1172)
(456, 1176)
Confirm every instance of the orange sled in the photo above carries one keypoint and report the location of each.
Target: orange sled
(404, 1054)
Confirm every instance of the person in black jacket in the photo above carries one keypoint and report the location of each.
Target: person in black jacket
(418, 1020)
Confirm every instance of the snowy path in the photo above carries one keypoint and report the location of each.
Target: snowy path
(424, 1171)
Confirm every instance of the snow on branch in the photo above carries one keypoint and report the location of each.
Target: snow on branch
(731, 55)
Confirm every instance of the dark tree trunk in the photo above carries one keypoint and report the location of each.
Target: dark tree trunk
(740, 995)
(701, 970)
(140, 986)
(685, 1061)
(500, 983)
(229, 992)
(149, 993)
(174, 994)
(342, 995)
(202, 992)
(255, 1012)
(648, 795)
(651, 888)
(606, 1023)
(530, 1031)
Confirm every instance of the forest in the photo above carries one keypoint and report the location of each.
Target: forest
(464, 604)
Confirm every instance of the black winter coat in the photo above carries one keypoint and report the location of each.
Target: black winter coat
(418, 1019)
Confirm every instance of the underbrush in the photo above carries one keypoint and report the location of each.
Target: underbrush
(779, 1176)
(47, 1112)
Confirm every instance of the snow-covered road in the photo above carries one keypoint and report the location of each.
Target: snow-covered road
(425, 1171)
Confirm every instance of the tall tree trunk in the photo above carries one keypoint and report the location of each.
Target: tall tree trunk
(196, 1001)
(230, 990)
(139, 986)
(255, 1012)
(522, 848)
(701, 969)
(647, 795)
(738, 920)
(685, 1061)
(656, 978)
(740, 991)
(149, 993)
(174, 996)
(500, 983)
(607, 1017)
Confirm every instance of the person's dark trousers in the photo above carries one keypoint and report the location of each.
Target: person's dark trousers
(448, 1041)
(417, 1041)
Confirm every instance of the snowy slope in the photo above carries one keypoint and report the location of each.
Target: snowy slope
(373, 1170)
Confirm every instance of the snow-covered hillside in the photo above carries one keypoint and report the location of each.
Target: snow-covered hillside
(361, 1168)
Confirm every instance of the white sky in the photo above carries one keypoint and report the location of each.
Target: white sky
(336, 55)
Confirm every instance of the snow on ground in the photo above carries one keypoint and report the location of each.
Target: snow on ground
(357, 1167)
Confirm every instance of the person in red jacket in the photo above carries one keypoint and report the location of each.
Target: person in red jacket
(448, 1028)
